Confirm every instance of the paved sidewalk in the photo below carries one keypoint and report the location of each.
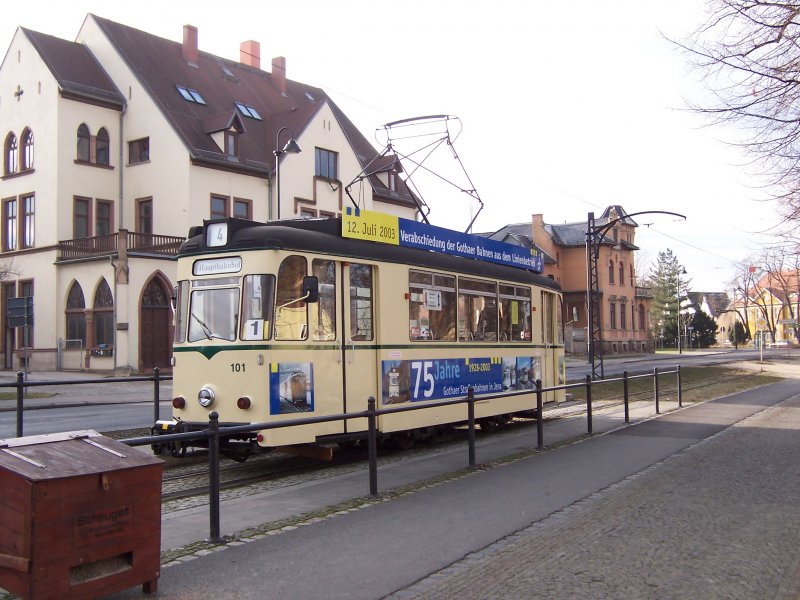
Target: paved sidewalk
(651, 510)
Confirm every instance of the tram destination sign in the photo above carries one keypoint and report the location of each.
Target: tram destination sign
(388, 229)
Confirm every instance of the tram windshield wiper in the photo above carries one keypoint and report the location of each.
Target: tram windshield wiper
(206, 329)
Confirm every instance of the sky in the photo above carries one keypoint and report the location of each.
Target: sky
(562, 108)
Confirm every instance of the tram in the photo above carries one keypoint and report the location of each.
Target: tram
(285, 320)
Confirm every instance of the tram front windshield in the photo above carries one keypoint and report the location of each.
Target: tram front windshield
(213, 310)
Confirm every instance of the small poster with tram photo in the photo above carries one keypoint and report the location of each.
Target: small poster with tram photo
(291, 388)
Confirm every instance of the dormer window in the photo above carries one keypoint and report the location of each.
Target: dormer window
(231, 144)
(248, 111)
(190, 95)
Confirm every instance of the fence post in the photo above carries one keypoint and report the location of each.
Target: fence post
(213, 476)
(680, 388)
(655, 385)
(156, 394)
(539, 416)
(589, 404)
(625, 396)
(20, 394)
(471, 420)
(372, 443)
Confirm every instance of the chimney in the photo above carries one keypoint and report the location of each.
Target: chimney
(537, 225)
(189, 49)
(250, 54)
(279, 73)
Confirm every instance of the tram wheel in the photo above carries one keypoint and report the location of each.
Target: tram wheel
(404, 441)
(178, 450)
(503, 421)
(489, 424)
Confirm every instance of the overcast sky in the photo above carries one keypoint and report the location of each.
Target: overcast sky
(564, 107)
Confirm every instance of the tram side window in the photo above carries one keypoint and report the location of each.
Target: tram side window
(181, 310)
(323, 313)
(515, 313)
(291, 313)
(259, 291)
(431, 306)
(477, 310)
(361, 321)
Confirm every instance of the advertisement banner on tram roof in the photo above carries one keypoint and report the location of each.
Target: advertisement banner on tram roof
(388, 229)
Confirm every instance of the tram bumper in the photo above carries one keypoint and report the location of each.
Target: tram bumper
(163, 426)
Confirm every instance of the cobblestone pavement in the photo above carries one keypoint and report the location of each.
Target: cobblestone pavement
(719, 520)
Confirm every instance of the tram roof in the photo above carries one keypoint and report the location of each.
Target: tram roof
(324, 236)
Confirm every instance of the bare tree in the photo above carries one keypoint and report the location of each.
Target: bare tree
(769, 282)
(8, 270)
(749, 54)
(741, 286)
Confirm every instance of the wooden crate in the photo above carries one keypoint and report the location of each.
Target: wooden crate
(80, 516)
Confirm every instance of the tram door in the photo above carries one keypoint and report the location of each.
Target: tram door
(359, 352)
(549, 364)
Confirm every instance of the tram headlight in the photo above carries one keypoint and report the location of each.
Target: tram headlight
(206, 396)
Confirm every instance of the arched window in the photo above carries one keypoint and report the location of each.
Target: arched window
(27, 149)
(610, 271)
(10, 154)
(83, 143)
(633, 280)
(102, 147)
(76, 314)
(103, 316)
(641, 317)
(621, 273)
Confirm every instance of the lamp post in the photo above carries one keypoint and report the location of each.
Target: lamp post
(291, 147)
(681, 271)
(595, 237)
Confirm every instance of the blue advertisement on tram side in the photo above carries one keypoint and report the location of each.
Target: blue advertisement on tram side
(439, 379)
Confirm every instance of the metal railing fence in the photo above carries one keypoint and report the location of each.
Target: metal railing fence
(22, 384)
(214, 431)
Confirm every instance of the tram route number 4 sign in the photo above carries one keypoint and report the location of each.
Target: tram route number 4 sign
(20, 312)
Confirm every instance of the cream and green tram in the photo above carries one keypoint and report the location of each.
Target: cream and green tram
(288, 320)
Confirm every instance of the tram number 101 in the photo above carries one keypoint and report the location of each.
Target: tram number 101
(237, 367)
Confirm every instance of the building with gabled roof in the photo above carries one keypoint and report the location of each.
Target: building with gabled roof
(625, 306)
(115, 144)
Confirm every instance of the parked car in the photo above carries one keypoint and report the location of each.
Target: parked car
(780, 344)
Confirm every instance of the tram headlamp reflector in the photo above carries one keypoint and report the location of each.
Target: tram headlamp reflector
(205, 397)
(178, 402)
(243, 403)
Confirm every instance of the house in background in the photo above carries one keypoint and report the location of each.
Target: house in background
(115, 144)
(624, 305)
(715, 305)
(772, 307)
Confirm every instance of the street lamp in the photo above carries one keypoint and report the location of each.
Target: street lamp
(291, 147)
(684, 308)
(681, 271)
(595, 236)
